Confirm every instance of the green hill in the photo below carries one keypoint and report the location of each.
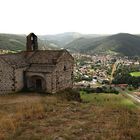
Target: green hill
(17, 42)
(60, 40)
(123, 44)
(83, 44)
(12, 42)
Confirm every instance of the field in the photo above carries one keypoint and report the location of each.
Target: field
(46, 117)
(136, 74)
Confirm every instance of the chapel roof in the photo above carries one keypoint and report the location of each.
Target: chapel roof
(15, 59)
(46, 56)
(24, 58)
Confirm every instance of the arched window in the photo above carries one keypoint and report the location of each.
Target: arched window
(32, 38)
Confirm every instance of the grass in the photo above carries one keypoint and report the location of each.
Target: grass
(135, 74)
(109, 99)
(45, 117)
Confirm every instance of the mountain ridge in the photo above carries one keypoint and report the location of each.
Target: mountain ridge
(14, 42)
(117, 44)
(122, 44)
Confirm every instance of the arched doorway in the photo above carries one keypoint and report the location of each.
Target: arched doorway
(36, 83)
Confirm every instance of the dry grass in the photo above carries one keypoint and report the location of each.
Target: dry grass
(100, 117)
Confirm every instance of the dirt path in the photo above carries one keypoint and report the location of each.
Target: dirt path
(135, 97)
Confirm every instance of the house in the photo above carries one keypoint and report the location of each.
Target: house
(36, 70)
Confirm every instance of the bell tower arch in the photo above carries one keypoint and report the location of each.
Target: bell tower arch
(31, 44)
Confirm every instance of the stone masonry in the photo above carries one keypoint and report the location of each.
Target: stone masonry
(36, 70)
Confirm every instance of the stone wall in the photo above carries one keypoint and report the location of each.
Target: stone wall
(50, 86)
(19, 81)
(55, 74)
(6, 78)
(64, 72)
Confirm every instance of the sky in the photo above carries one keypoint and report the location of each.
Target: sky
(58, 16)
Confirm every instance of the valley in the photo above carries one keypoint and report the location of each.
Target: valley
(103, 103)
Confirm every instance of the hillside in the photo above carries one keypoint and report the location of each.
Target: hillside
(123, 43)
(83, 44)
(60, 40)
(17, 42)
(12, 42)
(44, 117)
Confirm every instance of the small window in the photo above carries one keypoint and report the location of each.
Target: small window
(64, 67)
(32, 38)
(72, 76)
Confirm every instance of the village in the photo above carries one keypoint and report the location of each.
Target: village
(97, 70)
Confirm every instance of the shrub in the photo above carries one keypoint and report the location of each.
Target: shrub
(131, 88)
(99, 90)
(103, 89)
(69, 95)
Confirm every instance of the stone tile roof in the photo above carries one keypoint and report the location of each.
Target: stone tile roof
(46, 56)
(15, 59)
(22, 59)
